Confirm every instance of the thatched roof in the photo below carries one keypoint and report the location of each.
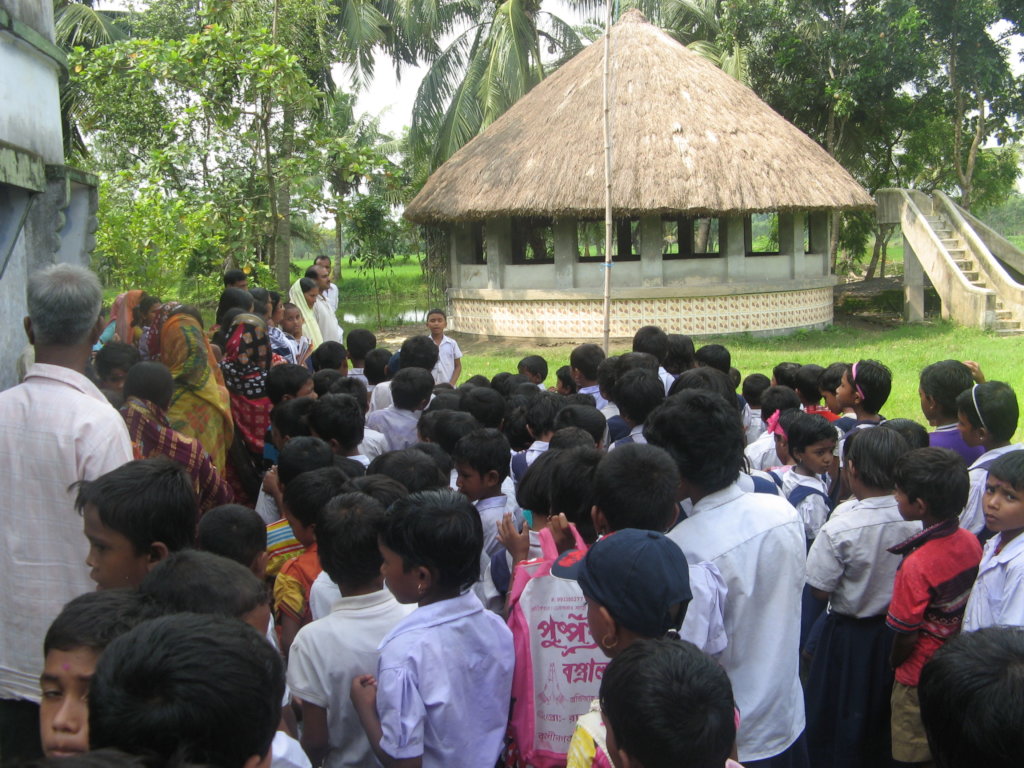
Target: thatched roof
(687, 138)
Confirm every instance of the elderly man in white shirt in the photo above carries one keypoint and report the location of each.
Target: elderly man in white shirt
(56, 429)
(322, 311)
(330, 294)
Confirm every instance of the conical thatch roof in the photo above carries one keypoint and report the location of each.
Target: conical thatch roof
(688, 138)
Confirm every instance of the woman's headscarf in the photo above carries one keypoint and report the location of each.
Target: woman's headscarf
(123, 313)
(247, 357)
(310, 327)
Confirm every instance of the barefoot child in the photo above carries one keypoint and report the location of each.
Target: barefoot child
(449, 364)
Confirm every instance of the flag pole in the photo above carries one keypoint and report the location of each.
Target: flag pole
(607, 179)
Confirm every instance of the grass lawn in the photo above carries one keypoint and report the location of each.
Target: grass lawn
(904, 349)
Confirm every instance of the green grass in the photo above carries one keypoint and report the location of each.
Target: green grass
(405, 278)
(905, 350)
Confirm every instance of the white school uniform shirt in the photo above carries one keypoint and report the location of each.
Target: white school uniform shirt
(636, 435)
(380, 396)
(329, 653)
(757, 542)
(610, 409)
(491, 511)
(813, 510)
(704, 623)
(444, 684)
(666, 378)
(397, 425)
(595, 390)
(997, 599)
(374, 443)
(286, 752)
(266, 508)
(973, 517)
(761, 453)
(447, 353)
(756, 427)
(357, 373)
(850, 559)
(323, 596)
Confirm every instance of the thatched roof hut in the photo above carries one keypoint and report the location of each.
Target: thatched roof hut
(688, 139)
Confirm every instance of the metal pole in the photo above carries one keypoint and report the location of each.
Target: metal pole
(607, 179)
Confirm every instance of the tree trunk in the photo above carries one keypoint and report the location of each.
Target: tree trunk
(339, 241)
(283, 223)
(700, 241)
(833, 239)
(876, 252)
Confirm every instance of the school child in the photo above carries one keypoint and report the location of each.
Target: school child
(296, 347)
(288, 420)
(330, 652)
(330, 356)
(941, 384)
(784, 375)
(667, 704)
(448, 368)
(850, 566)
(865, 387)
(414, 469)
(761, 453)
(583, 362)
(237, 533)
(807, 390)
(304, 498)
(375, 367)
(988, 416)
(583, 417)
(374, 443)
(73, 645)
(932, 584)
(338, 421)
(758, 544)
(203, 689)
(998, 595)
(540, 423)
(444, 678)
(134, 517)
(654, 341)
(714, 356)
(828, 384)
(564, 382)
(485, 405)
(324, 379)
(112, 364)
(410, 390)
(285, 382)
(754, 387)
(637, 393)
(972, 699)
(535, 368)
(913, 433)
(359, 343)
(811, 442)
(481, 464)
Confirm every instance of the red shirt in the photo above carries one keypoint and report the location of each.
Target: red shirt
(931, 590)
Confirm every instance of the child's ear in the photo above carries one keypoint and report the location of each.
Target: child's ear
(259, 565)
(599, 520)
(851, 470)
(286, 398)
(491, 477)
(258, 762)
(425, 579)
(27, 322)
(157, 551)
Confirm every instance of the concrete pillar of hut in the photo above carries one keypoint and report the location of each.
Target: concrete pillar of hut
(461, 249)
(817, 238)
(566, 252)
(791, 241)
(913, 285)
(733, 246)
(499, 250)
(651, 240)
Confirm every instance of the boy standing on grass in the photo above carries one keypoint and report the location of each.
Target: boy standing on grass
(932, 584)
(449, 365)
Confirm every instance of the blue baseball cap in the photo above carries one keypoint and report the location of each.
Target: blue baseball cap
(639, 576)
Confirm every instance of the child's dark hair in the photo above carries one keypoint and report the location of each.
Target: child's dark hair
(360, 341)
(286, 379)
(146, 501)
(872, 381)
(571, 492)
(385, 490)
(411, 387)
(703, 434)
(679, 356)
(566, 438)
(607, 375)
(785, 374)
(637, 393)
(735, 377)
(652, 340)
(94, 619)
(375, 365)
(564, 376)
(330, 355)
(484, 450)
(915, 435)
(585, 358)
(437, 454)
(349, 385)
(807, 383)
(439, 530)
(943, 382)
(937, 476)
(667, 704)
(303, 454)
(232, 276)
(635, 487)
(585, 417)
(806, 430)
(437, 311)
(706, 379)
(714, 356)
(234, 532)
(193, 581)
(307, 494)
(541, 413)
(451, 426)
(486, 406)
(174, 686)
(231, 298)
(146, 303)
(534, 489)
(413, 469)
(992, 405)
(534, 364)
(291, 417)
(115, 355)
(832, 377)
(419, 352)
(338, 418)
(324, 379)
(777, 399)
(151, 381)
(1010, 469)
(476, 380)
(874, 453)
(753, 387)
(346, 539)
(260, 299)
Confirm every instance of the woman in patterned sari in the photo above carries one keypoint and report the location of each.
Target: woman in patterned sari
(200, 406)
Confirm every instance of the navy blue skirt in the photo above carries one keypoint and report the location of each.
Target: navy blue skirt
(847, 694)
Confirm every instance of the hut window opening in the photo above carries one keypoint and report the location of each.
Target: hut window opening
(478, 238)
(684, 237)
(625, 240)
(533, 241)
(761, 232)
(706, 241)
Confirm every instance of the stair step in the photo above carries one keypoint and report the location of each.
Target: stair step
(1009, 331)
(972, 277)
(951, 242)
(964, 265)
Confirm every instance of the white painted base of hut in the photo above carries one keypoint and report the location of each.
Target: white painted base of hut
(579, 315)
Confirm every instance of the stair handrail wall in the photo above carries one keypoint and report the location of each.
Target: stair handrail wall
(1005, 252)
(962, 302)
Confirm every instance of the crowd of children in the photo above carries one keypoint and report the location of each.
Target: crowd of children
(643, 560)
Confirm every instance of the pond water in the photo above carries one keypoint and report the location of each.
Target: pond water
(362, 313)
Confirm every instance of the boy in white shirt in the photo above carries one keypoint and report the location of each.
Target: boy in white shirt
(329, 653)
(481, 465)
(448, 368)
(410, 391)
